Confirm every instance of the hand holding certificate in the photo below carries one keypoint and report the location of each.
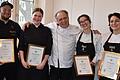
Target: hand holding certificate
(82, 65)
(35, 54)
(6, 50)
(110, 66)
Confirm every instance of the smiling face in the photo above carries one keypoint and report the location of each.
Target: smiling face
(5, 12)
(37, 17)
(84, 23)
(62, 19)
(114, 23)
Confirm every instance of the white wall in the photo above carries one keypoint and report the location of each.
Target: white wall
(63, 4)
(98, 10)
(81, 7)
(102, 9)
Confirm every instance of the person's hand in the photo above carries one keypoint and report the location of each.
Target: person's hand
(99, 73)
(26, 25)
(118, 75)
(100, 62)
(40, 66)
(96, 32)
(1, 63)
(25, 65)
(92, 63)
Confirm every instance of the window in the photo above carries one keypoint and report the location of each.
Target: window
(25, 10)
(5, 0)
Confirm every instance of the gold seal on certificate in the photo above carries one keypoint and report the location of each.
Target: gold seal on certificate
(35, 54)
(6, 50)
(110, 65)
(82, 65)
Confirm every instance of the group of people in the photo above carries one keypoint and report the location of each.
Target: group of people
(61, 41)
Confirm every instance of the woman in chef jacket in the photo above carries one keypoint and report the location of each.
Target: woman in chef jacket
(36, 34)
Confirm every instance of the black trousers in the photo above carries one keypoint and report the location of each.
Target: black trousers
(104, 78)
(61, 73)
(33, 74)
(9, 71)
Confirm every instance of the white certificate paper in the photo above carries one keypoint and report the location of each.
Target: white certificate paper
(6, 50)
(82, 65)
(110, 65)
(35, 54)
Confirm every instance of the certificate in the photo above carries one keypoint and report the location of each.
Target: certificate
(82, 65)
(35, 54)
(7, 50)
(110, 65)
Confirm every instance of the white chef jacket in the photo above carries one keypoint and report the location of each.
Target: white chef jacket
(64, 41)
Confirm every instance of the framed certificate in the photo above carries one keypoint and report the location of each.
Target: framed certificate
(82, 65)
(6, 50)
(110, 65)
(35, 54)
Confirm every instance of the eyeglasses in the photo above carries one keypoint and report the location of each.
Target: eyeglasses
(83, 21)
(115, 21)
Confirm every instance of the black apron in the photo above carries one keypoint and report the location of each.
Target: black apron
(112, 47)
(86, 49)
